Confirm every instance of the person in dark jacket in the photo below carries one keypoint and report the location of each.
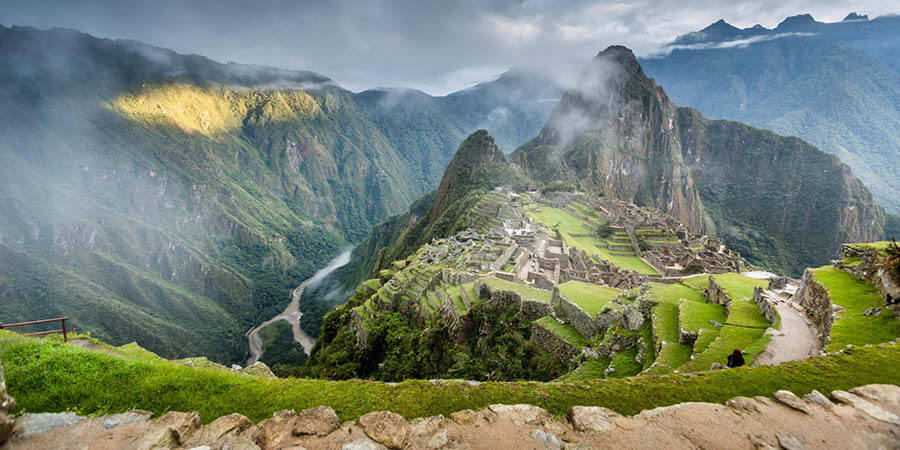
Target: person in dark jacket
(735, 359)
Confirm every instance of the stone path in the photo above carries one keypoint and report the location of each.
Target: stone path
(795, 340)
(865, 417)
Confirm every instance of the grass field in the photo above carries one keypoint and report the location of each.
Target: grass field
(526, 292)
(45, 375)
(734, 284)
(850, 326)
(695, 316)
(591, 298)
(567, 332)
(577, 235)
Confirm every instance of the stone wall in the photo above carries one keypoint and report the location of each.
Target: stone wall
(532, 310)
(715, 294)
(813, 297)
(577, 317)
(552, 343)
(359, 330)
(766, 306)
(7, 404)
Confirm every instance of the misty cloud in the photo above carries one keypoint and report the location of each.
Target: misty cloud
(434, 46)
(736, 43)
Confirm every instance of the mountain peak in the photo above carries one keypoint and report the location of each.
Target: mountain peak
(853, 17)
(621, 56)
(798, 21)
(720, 25)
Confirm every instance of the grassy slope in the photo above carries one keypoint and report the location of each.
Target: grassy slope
(527, 293)
(567, 332)
(46, 375)
(590, 297)
(850, 326)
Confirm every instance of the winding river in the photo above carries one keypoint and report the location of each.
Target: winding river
(292, 313)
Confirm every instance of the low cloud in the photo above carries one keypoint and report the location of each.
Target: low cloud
(736, 43)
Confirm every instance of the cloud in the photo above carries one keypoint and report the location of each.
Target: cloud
(428, 45)
(736, 43)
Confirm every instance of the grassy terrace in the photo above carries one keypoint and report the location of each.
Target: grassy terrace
(526, 292)
(590, 297)
(49, 376)
(568, 333)
(856, 296)
(666, 321)
(734, 284)
(577, 235)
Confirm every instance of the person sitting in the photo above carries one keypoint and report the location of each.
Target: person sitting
(735, 359)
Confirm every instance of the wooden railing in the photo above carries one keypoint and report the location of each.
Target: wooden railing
(61, 320)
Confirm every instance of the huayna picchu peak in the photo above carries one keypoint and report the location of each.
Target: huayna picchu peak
(473, 230)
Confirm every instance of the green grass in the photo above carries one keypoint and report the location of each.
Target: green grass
(568, 333)
(590, 297)
(48, 376)
(673, 355)
(592, 369)
(706, 337)
(856, 296)
(625, 364)
(729, 338)
(734, 284)
(578, 235)
(695, 316)
(746, 313)
(526, 292)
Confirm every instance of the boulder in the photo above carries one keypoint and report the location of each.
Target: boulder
(278, 430)
(362, 443)
(385, 427)
(817, 398)
(31, 424)
(171, 430)
(864, 405)
(521, 414)
(320, 421)
(791, 400)
(789, 442)
(592, 418)
(225, 429)
(633, 318)
(428, 432)
(136, 415)
(7, 404)
(258, 369)
(465, 417)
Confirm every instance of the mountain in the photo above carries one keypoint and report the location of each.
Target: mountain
(176, 201)
(834, 85)
(779, 201)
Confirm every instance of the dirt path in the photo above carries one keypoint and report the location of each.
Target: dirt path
(795, 340)
(292, 313)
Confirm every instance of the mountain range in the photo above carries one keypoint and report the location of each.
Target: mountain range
(835, 85)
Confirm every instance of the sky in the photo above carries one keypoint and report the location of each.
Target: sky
(437, 46)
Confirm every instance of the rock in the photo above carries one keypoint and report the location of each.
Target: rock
(789, 399)
(258, 369)
(277, 431)
(385, 427)
(609, 371)
(883, 393)
(715, 324)
(429, 432)
(136, 415)
(745, 404)
(592, 418)
(589, 353)
(716, 366)
(223, 429)
(788, 442)
(521, 414)
(362, 444)
(464, 417)
(170, 430)
(760, 443)
(320, 421)
(633, 318)
(872, 311)
(7, 404)
(547, 439)
(819, 399)
(865, 406)
(31, 424)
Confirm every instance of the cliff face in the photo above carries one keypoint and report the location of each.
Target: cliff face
(779, 201)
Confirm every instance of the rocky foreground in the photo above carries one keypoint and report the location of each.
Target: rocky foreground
(865, 417)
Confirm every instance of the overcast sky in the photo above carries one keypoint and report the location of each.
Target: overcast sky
(438, 46)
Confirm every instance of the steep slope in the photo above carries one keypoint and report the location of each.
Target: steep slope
(823, 86)
(621, 136)
(176, 201)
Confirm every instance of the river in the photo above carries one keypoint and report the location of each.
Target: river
(292, 313)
